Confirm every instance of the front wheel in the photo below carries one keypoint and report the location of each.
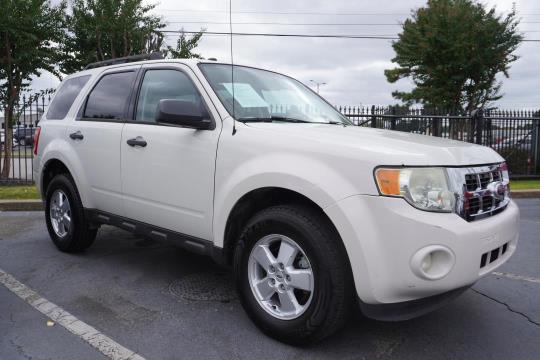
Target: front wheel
(293, 274)
(64, 215)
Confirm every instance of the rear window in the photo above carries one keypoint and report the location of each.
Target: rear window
(65, 97)
(109, 97)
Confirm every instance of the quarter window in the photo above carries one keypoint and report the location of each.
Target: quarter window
(65, 97)
(109, 97)
(164, 84)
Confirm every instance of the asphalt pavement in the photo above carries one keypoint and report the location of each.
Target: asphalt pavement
(166, 303)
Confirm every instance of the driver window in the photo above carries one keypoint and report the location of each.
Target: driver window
(164, 84)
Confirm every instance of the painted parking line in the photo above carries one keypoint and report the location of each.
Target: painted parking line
(517, 277)
(87, 333)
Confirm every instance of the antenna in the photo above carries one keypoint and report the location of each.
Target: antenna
(232, 67)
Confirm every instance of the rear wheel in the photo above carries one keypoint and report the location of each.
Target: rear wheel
(293, 275)
(64, 215)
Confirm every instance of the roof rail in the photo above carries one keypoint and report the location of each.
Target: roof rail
(123, 60)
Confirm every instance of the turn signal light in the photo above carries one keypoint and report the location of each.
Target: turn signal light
(388, 181)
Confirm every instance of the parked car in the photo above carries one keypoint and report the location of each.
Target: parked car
(313, 214)
(24, 136)
(522, 142)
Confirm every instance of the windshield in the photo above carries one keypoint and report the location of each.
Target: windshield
(261, 95)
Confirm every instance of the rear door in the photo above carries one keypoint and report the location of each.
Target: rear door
(96, 133)
(169, 183)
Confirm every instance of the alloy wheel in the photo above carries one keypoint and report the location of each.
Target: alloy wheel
(281, 277)
(60, 213)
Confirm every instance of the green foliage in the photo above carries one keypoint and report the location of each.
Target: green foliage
(185, 46)
(31, 34)
(18, 193)
(525, 184)
(453, 51)
(107, 29)
(519, 161)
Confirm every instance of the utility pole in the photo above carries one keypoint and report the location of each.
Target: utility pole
(318, 84)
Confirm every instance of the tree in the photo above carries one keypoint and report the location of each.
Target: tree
(185, 46)
(453, 50)
(30, 31)
(107, 29)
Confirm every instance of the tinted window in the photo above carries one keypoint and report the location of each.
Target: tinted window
(109, 97)
(66, 96)
(164, 84)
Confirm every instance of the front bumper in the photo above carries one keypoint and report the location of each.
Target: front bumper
(382, 236)
(409, 309)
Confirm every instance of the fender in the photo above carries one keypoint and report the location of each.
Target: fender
(276, 170)
(252, 175)
(60, 149)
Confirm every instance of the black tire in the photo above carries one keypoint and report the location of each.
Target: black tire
(79, 236)
(333, 291)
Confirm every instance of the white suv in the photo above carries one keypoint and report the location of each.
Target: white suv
(314, 214)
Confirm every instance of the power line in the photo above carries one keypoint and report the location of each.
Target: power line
(218, 34)
(343, 36)
(281, 23)
(283, 12)
(303, 13)
(287, 35)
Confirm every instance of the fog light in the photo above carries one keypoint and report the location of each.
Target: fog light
(432, 262)
(426, 262)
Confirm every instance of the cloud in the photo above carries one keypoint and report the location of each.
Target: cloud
(352, 68)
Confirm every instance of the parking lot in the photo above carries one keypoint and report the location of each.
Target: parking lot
(162, 302)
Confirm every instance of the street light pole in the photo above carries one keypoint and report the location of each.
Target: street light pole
(318, 84)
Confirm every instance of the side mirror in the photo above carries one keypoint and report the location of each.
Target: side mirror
(182, 113)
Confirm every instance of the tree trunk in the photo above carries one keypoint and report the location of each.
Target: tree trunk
(8, 115)
(8, 144)
(99, 49)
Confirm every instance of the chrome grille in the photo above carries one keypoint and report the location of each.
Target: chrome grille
(485, 191)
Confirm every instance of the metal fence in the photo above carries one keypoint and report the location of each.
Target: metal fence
(515, 134)
(16, 166)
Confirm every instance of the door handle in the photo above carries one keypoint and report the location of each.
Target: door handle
(76, 135)
(138, 141)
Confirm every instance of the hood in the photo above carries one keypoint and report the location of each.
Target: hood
(386, 147)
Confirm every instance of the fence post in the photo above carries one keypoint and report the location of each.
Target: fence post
(393, 120)
(479, 124)
(536, 143)
(373, 118)
(436, 125)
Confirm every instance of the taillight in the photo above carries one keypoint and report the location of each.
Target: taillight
(36, 140)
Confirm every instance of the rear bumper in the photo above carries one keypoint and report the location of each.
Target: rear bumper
(383, 236)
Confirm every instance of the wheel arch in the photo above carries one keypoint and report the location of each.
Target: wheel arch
(52, 168)
(256, 200)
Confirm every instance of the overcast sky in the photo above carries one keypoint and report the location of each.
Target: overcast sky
(352, 68)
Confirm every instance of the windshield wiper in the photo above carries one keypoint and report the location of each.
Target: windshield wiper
(285, 119)
(271, 119)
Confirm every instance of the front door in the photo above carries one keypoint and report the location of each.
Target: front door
(168, 173)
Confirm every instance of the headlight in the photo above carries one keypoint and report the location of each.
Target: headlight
(424, 188)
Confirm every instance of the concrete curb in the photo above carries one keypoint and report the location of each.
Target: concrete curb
(37, 205)
(523, 194)
(21, 205)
